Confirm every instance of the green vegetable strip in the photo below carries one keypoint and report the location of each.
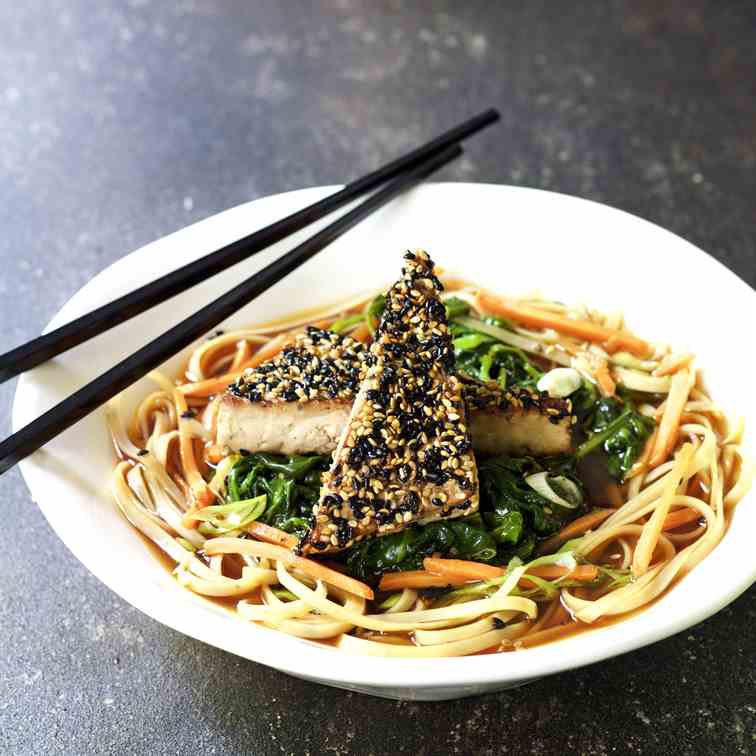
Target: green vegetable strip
(598, 438)
(345, 323)
(456, 307)
(290, 485)
(484, 357)
(617, 429)
(373, 312)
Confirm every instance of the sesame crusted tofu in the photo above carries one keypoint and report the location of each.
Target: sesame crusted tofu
(517, 421)
(299, 403)
(405, 454)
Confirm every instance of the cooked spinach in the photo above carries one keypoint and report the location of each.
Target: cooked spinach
(456, 307)
(485, 358)
(515, 514)
(512, 518)
(613, 428)
(463, 539)
(291, 484)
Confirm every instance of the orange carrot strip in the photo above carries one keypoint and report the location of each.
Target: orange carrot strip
(679, 390)
(308, 566)
(201, 495)
(214, 454)
(605, 381)
(396, 581)
(547, 615)
(269, 534)
(270, 350)
(361, 333)
(574, 529)
(641, 465)
(461, 570)
(681, 517)
(210, 386)
(585, 573)
(582, 329)
(677, 363)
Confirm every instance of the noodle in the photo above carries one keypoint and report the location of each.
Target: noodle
(670, 510)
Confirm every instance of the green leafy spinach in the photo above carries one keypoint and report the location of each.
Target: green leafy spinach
(291, 485)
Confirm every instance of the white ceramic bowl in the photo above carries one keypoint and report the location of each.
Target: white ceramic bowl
(512, 240)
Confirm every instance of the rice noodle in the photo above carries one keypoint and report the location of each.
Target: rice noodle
(473, 645)
(693, 461)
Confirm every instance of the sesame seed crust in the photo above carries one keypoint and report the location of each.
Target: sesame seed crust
(318, 365)
(323, 365)
(405, 455)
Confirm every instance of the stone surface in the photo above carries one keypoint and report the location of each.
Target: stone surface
(123, 121)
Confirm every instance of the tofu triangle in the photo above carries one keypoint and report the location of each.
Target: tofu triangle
(405, 454)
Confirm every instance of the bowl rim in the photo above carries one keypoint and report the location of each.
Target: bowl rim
(315, 661)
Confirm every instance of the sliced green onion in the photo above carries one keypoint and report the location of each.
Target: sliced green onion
(388, 602)
(188, 546)
(373, 312)
(236, 516)
(209, 530)
(345, 323)
(548, 588)
(557, 489)
(471, 341)
(283, 594)
(617, 577)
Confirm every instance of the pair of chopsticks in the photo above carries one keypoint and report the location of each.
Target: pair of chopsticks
(401, 174)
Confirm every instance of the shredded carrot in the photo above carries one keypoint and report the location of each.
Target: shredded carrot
(673, 364)
(682, 383)
(396, 581)
(606, 383)
(574, 529)
(361, 333)
(681, 517)
(201, 494)
(269, 534)
(270, 350)
(641, 464)
(585, 573)
(582, 329)
(461, 570)
(210, 386)
(214, 454)
(547, 615)
(308, 566)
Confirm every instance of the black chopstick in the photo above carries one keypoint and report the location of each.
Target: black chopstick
(94, 394)
(39, 350)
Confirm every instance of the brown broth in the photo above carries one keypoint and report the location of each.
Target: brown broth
(572, 628)
(602, 490)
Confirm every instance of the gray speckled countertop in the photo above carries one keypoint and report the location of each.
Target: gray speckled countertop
(123, 121)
